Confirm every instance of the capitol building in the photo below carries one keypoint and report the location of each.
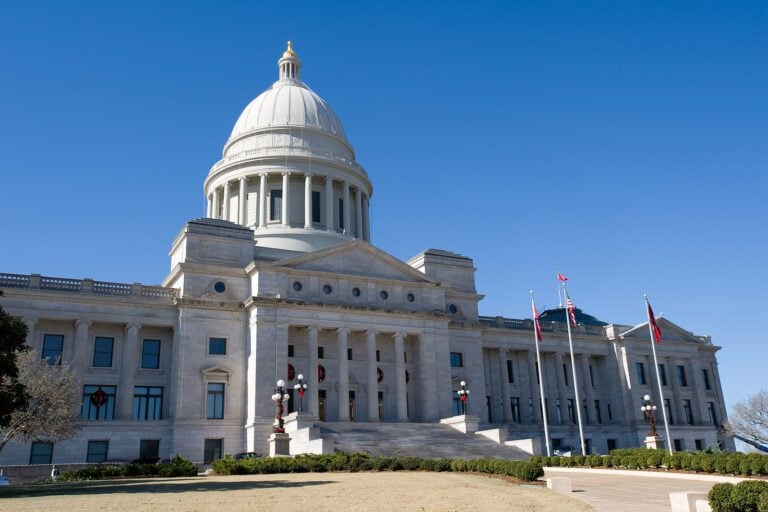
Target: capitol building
(280, 279)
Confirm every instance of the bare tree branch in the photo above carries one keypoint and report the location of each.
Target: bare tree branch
(749, 418)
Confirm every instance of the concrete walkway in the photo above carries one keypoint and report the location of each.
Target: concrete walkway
(609, 490)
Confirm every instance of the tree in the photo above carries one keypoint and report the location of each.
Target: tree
(749, 419)
(53, 399)
(13, 335)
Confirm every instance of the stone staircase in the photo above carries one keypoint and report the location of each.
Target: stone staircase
(428, 440)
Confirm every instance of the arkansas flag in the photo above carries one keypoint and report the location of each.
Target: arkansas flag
(536, 324)
(561, 277)
(654, 326)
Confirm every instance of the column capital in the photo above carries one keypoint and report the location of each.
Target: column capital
(344, 330)
(286, 173)
(83, 322)
(243, 178)
(371, 332)
(308, 174)
(312, 328)
(132, 326)
(30, 320)
(400, 334)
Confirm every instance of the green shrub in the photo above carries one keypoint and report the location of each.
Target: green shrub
(178, 466)
(762, 503)
(720, 498)
(746, 494)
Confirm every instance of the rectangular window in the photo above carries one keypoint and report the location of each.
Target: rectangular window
(147, 403)
(217, 346)
(215, 401)
(276, 205)
(598, 414)
(212, 450)
(516, 409)
(97, 451)
(530, 408)
(565, 373)
(572, 410)
(102, 352)
(558, 410)
(668, 408)
(612, 444)
(349, 354)
(681, 379)
(52, 347)
(150, 354)
(712, 413)
(705, 378)
(585, 405)
(320, 352)
(290, 350)
(341, 213)
(640, 367)
(663, 374)
(699, 444)
(98, 402)
(591, 376)
(41, 453)
(688, 410)
(457, 360)
(609, 411)
(149, 449)
(510, 372)
(378, 356)
(315, 206)
(678, 445)
(536, 364)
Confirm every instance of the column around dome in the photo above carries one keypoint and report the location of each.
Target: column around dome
(209, 207)
(241, 202)
(262, 200)
(328, 203)
(216, 204)
(308, 201)
(286, 193)
(226, 201)
(346, 209)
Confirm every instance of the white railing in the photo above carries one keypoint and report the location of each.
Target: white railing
(61, 284)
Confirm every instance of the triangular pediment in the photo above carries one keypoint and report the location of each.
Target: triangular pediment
(356, 258)
(669, 332)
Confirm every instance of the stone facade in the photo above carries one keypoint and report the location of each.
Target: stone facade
(189, 367)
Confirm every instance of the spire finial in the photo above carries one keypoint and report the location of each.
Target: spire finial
(289, 52)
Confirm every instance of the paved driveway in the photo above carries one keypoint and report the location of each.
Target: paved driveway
(632, 491)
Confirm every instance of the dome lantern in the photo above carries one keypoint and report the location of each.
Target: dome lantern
(289, 64)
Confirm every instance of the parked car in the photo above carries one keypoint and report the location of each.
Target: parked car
(564, 451)
(247, 455)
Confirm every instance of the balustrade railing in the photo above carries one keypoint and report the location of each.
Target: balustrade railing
(61, 284)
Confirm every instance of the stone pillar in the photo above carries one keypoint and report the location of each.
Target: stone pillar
(209, 210)
(562, 394)
(400, 384)
(589, 394)
(523, 386)
(329, 204)
(242, 206)
(675, 403)
(347, 227)
(358, 214)
(262, 200)
(216, 204)
(307, 201)
(506, 399)
(343, 382)
(366, 219)
(31, 323)
(373, 375)
(226, 201)
(286, 193)
(80, 348)
(128, 374)
(534, 389)
(312, 380)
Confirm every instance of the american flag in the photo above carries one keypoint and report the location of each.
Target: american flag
(571, 310)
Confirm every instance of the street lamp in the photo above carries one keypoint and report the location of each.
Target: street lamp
(463, 396)
(301, 387)
(279, 397)
(648, 410)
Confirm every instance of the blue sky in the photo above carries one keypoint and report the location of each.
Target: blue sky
(624, 142)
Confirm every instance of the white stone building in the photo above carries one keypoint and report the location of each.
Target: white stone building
(280, 279)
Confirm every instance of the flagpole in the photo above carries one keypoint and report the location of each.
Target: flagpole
(559, 295)
(573, 371)
(658, 376)
(541, 380)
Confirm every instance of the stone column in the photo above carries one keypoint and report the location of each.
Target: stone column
(80, 348)
(31, 323)
(307, 201)
(589, 394)
(366, 219)
(523, 386)
(400, 384)
(328, 203)
(128, 374)
(373, 376)
(242, 205)
(533, 388)
(216, 204)
(262, 200)
(343, 382)
(675, 403)
(561, 392)
(312, 380)
(358, 214)
(347, 227)
(506, 408)
(209, 211)
(226, 201)
(286, 193)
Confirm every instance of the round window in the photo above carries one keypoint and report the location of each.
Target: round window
(452, 309)
(410, 297)
(297, 286)
(355, 292)
(327, 288)
(383, 294)
(219, 287)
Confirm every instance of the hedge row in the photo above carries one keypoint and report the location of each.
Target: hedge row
(176, 467)
(643, 458)
(746, 496)
(522, 470)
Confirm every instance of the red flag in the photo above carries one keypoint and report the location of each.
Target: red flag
(571, 309)
(561, 277)
(654, 326)
(536, 324)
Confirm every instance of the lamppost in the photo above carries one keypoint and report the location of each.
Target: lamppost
(463, 397)
(648, 409)
(279, 397)
(300, 387)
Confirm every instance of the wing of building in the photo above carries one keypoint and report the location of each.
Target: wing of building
(280, 279)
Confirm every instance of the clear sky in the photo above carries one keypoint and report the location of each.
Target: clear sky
(624, 142)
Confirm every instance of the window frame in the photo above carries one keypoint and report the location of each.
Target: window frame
(44, 351)
(682, 379)
(149, 406)
(47, 456)
(89, 454)
(212, 411)
(276, 205)
(210, 450)
(457, 357)
(97, 352)
(316, 207)
(640, 373)
(217, 339)
(104, 413)
(144, 353)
